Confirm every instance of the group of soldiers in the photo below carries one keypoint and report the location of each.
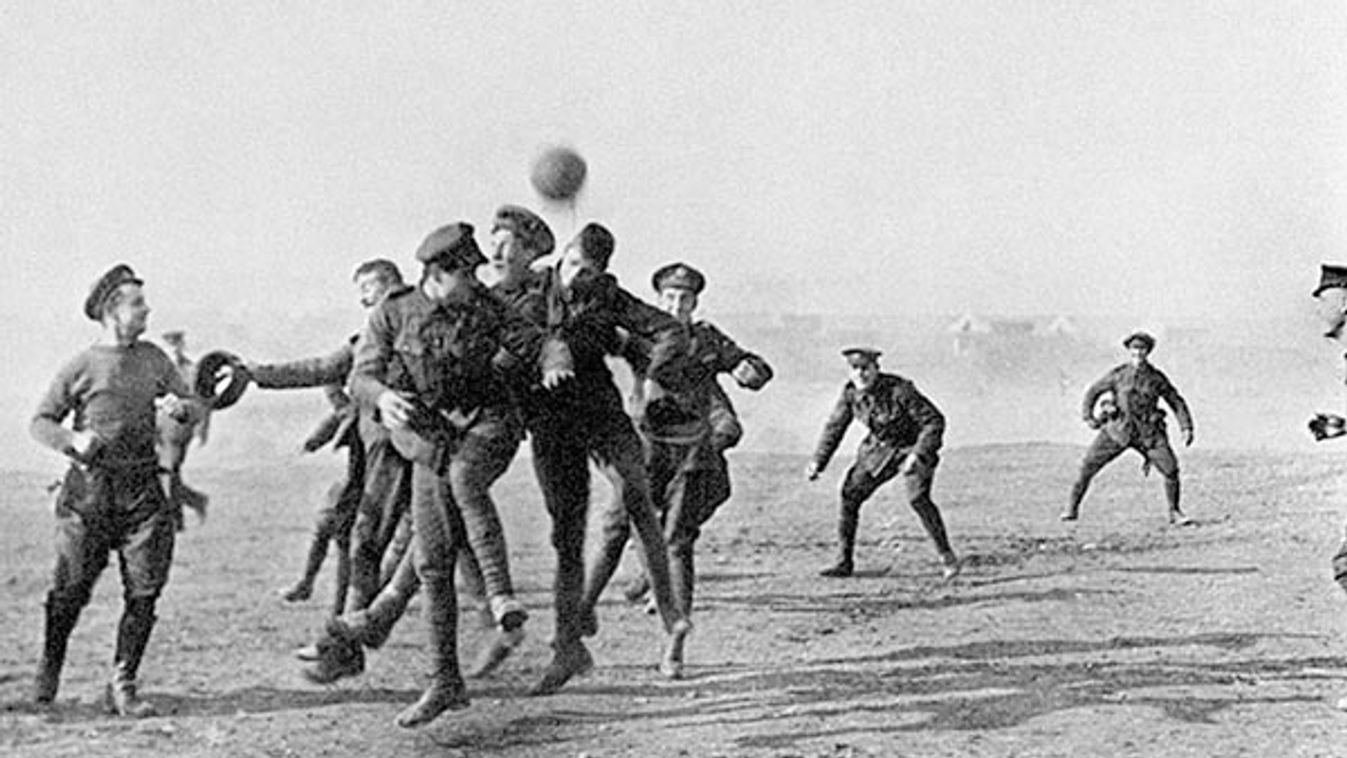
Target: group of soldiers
(431, 401)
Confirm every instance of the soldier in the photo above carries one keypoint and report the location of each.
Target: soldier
(430, 360)
(582, 419)
(518, 237)
(1135, 421)
(374, 281)
(174, 438)
(1331, 308)
(905, 434)
(685, 441)
(111, 498)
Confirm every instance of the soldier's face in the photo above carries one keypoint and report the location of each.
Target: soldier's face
(129, 312)
(372, 289)
(440, 283)
(574, 265)
(509, 257)
(1137, 354)
(678, 302)
(1331, 309)
(863, 374)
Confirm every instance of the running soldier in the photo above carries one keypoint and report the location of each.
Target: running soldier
(685, 440)
(374, 281)
(431, 361)
(1133, 420)
(906, 431)
(582, 419)
(112, 498)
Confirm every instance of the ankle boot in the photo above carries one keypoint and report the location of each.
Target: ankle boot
(122, 697)
(133, 634)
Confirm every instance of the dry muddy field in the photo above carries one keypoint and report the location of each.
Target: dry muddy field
(1115, 636)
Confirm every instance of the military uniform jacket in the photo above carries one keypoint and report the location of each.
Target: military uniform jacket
(1137, 391)
(331, 372)
(898, 416)
(450, 358)
(585, 321)
(685, 416)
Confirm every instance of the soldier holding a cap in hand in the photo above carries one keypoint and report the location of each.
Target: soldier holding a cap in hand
(112, 498)
(1138, 423)
(906, 432)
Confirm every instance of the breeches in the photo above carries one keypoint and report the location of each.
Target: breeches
(101, 512)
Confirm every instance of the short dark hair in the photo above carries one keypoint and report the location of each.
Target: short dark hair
(386, 270)
(596, 244)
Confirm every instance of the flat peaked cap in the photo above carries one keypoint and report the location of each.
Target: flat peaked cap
(221, 379)
(1330, 276)
(453, 246)
(526, 225)
(679, 275)
(1140, 338)
(858, 355)
(105, 286)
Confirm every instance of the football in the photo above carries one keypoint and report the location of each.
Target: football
(558, 173)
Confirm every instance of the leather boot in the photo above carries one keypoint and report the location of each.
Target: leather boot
(60, 622)
(847, 523)
(446, 691)
(1176, 514)
(133, 634)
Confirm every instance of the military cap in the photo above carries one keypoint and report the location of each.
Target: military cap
(679, 275)
(1330, 276)
(451, 246)
(214, 368)
(857, 356)
(174, 336)
(1140, 338)
(105, 286)
(527, 226)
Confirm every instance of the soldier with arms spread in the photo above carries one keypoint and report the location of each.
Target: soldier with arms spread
(906, 432)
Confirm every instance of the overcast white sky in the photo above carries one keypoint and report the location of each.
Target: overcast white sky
(1166, 159)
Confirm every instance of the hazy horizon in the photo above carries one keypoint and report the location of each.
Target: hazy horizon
(1165, 163)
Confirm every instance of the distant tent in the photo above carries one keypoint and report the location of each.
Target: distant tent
(970, 324)
(1059, 326)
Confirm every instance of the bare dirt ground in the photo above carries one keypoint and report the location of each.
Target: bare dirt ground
(1118, 636)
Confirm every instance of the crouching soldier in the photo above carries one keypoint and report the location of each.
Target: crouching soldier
(111, 498)
(906, 431)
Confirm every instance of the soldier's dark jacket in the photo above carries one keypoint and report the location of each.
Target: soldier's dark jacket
(686, 414)
(1137, 391)
(587, 320)
(898, 416)
(451, 357)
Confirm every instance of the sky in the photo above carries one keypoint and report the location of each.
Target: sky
(1168, 159)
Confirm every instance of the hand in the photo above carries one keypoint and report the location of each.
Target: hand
(1327, 426)
(1187, 437)
(1093, 423)
(554, 377)
(812, 471)
(82, 442)
(394, 409)
(909, 463)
